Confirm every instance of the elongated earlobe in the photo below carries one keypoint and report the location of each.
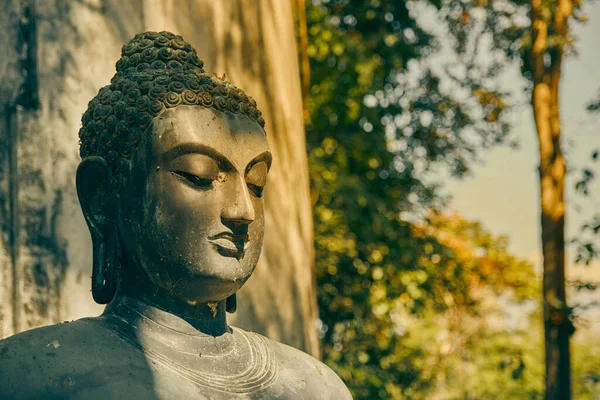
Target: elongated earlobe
(231, 304)
(95, 196)
(104, 269)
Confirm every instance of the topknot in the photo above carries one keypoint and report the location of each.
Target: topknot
(156, 71)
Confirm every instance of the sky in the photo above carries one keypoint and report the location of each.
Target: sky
(503, 191)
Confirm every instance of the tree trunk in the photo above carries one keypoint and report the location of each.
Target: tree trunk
(45, 252)
(546, 68)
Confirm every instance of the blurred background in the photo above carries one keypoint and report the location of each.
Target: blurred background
(432, 227)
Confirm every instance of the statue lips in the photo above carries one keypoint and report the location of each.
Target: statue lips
(229, 245)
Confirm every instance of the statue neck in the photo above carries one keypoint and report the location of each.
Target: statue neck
(201, 318)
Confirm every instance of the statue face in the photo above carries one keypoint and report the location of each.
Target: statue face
(191, 213)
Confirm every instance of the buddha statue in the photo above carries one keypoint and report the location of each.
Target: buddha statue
(174, 165)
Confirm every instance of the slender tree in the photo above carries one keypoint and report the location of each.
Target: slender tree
(546, 66)
(536, 33)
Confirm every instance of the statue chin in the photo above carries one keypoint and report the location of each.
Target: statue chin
(199, 289)
(171, 187)
(201, 277)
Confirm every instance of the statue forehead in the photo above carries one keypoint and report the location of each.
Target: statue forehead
(235, 136)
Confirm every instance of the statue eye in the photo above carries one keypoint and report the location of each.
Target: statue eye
(256, 178)
(257, 190)
(194, 180)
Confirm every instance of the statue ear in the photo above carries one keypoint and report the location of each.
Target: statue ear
(94, 192)
(97, 203)
(231, 304)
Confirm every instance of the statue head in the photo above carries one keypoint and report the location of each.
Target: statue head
(171, 182)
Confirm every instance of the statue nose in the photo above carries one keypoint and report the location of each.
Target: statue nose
(239, 209)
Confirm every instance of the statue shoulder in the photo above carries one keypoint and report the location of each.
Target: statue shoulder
(31, 358)
(60, 361)
(314, 378)
(32, 344)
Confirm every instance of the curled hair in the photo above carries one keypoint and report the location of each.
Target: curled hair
(156, 71)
